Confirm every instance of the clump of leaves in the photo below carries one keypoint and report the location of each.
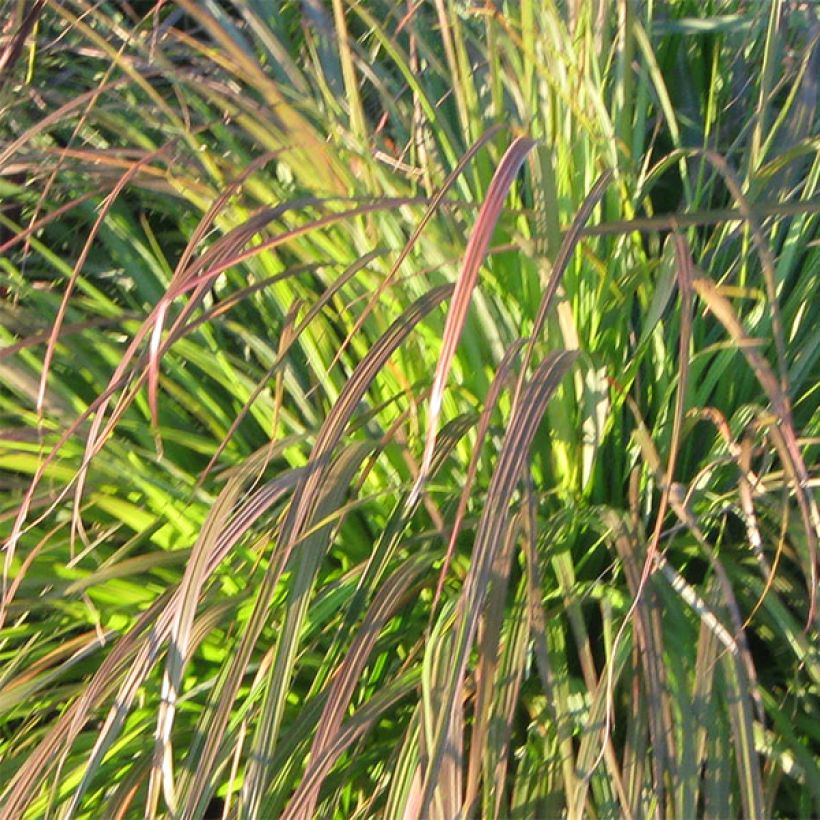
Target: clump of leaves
(408, 409)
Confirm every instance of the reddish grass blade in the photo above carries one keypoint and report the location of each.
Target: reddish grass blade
(105, 207)
(684, 271)
(499, 379)
(51, 216)
(325, 519)
(55, 116)
(391, 595)
(121, 378)
(305, 498)
(485, 674)
(538, 623)
(648, 637)
(14, 48)
(183, 271)
(434, 204)
(512, 458)
(134, 654)
(355, 726)
(473, 257)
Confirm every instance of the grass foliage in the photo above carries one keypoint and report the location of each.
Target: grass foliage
(409, 409)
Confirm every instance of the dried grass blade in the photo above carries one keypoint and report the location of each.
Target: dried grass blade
(648, 631)
(741, 714)
(485, 674)
(14, 48)
(364, 717)
(782, 434)
(392, 593)
(509, 679)
(499, 379)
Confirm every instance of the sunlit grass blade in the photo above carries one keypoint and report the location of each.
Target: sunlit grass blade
(473, 258)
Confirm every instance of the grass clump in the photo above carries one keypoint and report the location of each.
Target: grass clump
(408, 410)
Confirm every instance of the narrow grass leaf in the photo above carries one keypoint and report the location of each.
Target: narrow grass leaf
(473, 257)
(514, 451)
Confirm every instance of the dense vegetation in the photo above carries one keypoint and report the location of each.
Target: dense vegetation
(409, 409)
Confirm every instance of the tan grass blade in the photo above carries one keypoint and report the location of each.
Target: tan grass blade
(189, 591)
(512, 669)
(666, 478)
(782, 432)
(649, 640)
(326, 516)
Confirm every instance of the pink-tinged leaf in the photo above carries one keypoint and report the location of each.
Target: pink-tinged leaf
(124, 373)
(304, 500)
(514, 451)
(392, 593)
(474, 255)
(500, 378)
(182, 272)
(435, 203)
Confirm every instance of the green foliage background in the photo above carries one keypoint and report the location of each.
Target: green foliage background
(409, 410)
